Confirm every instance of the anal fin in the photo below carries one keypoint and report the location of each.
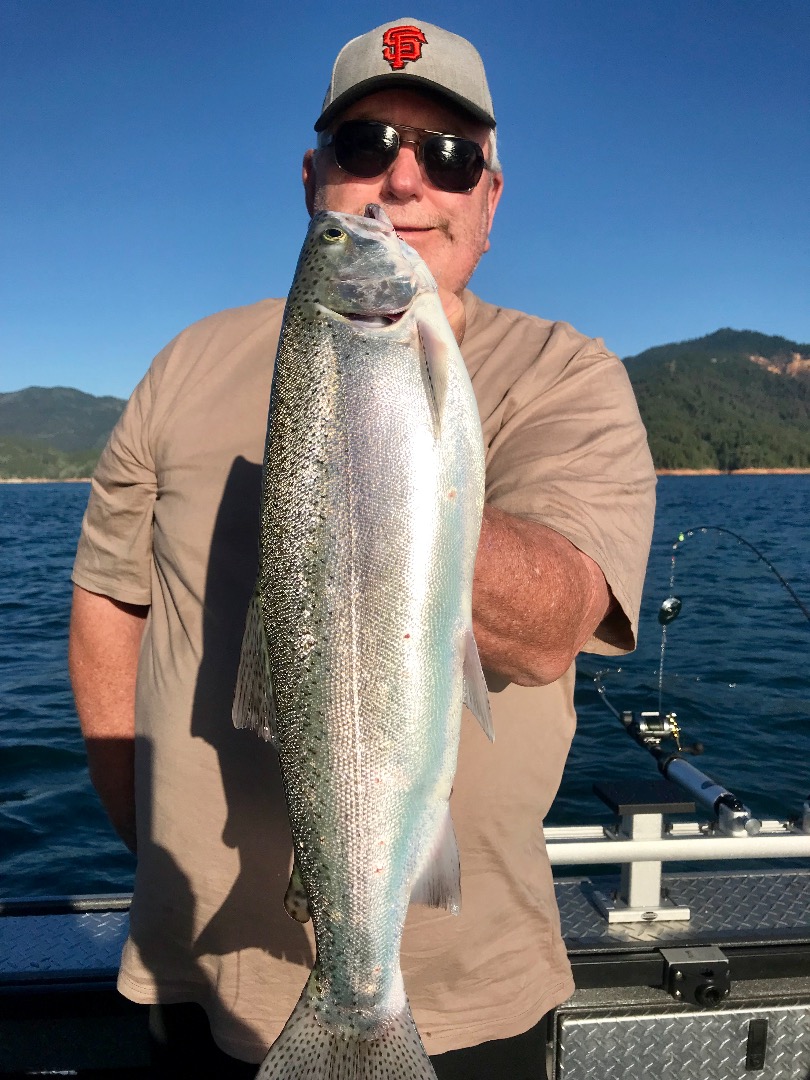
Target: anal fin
(439, 883)
(295, 899)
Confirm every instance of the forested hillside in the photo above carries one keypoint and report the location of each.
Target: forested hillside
(29, 459)
(735, 399)
(731, 400)
(53, 433)
(59, 416)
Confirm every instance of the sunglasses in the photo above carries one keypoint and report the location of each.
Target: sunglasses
(368, 148)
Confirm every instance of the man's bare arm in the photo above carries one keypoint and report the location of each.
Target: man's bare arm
(105, 639)
(536, 599)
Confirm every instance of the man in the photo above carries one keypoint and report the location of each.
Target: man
(167, 562)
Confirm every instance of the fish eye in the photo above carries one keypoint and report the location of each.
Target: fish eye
(333, 235)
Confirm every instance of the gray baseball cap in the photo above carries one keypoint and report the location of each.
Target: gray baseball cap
(410, 53)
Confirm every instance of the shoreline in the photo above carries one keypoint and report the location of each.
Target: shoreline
(44, 479)
(732, 472)
(658, 472)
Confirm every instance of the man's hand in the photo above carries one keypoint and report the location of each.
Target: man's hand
(456, 315)
(536, 599)
(105, 640)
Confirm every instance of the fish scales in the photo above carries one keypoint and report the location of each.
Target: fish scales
(353, 698)
(373, 491)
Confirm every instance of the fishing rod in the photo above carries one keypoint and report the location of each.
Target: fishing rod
(641, 840)
(689, 533)
(653, 729)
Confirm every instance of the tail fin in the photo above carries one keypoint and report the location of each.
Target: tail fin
(308, 1050)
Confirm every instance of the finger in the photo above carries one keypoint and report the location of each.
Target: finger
(454, 310)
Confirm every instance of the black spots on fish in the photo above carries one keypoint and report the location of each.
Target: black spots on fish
(308, 283)
(314, 1047)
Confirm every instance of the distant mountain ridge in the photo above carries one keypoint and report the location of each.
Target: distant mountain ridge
(726, 340)
(734, 399)
(60, 417)
(53, 433)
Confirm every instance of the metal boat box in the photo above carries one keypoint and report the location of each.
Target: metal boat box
(724, 996)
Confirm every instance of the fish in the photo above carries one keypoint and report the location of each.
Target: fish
(358, 650)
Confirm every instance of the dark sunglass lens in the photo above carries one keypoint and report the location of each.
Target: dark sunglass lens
(451, 163)
(364, 148)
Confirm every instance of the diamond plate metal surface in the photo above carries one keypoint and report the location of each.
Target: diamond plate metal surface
(33, 947)
(727, 908)
(685, 1046)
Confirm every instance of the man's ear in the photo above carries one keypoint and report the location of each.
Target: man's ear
(308, 176)
(493, 198)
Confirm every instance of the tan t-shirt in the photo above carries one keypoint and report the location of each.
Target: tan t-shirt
(173, 522)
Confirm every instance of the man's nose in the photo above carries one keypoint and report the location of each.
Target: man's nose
(404, 178)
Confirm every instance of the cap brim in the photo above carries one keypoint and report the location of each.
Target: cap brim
(411, 82)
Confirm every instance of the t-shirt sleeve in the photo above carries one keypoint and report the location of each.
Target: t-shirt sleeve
(114, 556)
(571, 452)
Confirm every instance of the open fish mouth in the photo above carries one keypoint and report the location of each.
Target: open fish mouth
(376, 213)
(375, 321)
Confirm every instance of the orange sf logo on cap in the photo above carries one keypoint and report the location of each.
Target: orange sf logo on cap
(402, 44)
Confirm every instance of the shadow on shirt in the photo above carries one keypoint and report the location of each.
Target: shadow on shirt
(252, 915)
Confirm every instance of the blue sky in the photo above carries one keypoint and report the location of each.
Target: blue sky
(656, 158)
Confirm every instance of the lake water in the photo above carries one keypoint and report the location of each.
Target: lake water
(736, 672)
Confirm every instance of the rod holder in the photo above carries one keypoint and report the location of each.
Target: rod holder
(640, 809)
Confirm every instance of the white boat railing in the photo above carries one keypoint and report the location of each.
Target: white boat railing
(678, 842)
(641, 842)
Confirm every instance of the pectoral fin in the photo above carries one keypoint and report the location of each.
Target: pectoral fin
(435, 350)
(476, 695)
(253, 705)
(439, 883)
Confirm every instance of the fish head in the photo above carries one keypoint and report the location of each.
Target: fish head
(356, 267)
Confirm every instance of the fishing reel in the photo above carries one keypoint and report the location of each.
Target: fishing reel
(650, 729)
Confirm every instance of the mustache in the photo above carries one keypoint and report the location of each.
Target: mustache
(399, 219)
(440, 224)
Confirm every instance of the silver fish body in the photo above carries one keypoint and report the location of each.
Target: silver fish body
(359, 641)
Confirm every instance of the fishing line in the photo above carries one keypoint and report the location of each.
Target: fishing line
(686, 534)
(671, 608)
(600, 687)
(600, 676)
